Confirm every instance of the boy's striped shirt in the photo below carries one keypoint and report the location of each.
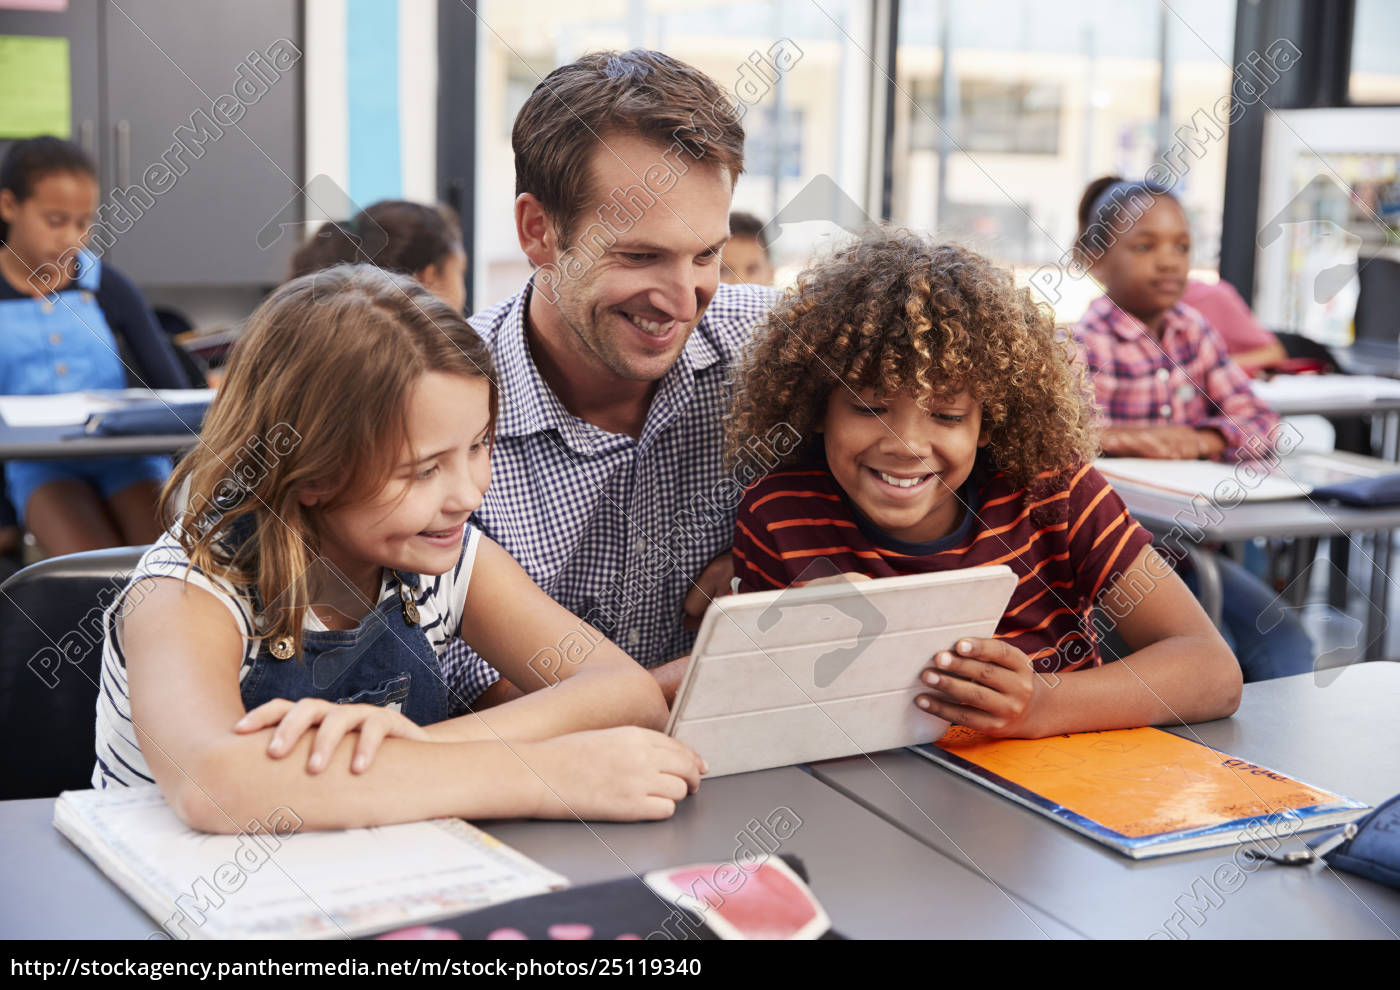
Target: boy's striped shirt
(1066, 545)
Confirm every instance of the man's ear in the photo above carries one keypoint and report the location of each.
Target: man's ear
(535, 231)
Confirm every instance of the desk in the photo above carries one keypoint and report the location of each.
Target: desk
(1369, 357)
(40, 443)
(1163, 513)
(1343, 736)
(874, 880)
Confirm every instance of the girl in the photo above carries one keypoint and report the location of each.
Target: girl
(1168, 388)
(316, 577)
(946, 428)
(62, 313)
(397, 236)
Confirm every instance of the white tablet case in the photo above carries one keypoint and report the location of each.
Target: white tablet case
(818, 672)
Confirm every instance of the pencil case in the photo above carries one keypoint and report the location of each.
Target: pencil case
(764, 897)
(1384, 490)
(147, 419)
(1373, 849)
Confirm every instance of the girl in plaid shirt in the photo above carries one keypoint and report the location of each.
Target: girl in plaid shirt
(1167, 388)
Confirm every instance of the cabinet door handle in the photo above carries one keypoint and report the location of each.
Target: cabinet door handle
(87, 138)
(123, 153)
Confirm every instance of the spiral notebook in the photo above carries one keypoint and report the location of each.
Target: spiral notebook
(1143, 792)
(276, 881)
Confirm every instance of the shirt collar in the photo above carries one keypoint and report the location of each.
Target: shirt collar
(1127, 327)
(529, 405)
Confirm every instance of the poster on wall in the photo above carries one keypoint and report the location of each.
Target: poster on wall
(35, 95)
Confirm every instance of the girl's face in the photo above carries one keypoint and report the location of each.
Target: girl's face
(54, 220)
(415, 522)
(901, 464)
(1144, 270)
(448, 279)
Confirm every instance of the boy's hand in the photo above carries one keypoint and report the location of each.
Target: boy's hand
(294, 719)
(711, 583)
(987, 685)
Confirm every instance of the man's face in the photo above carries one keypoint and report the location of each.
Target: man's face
(632, 303)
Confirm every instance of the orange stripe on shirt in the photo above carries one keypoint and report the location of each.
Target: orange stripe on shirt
(1112, 562)
(756, 541)
(1089, 510)
(785, 493)
(785, 523)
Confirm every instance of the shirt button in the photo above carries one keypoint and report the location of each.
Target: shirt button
(55, 338)
(1163, 374)
(1166, 410)
(633, 638)
(61, 368)
(642, 545)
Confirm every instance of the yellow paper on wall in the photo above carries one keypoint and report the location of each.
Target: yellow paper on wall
(35, 95)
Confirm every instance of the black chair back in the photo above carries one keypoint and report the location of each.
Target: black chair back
(50, 659)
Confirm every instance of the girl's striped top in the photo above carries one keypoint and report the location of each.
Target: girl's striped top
(1067, 543)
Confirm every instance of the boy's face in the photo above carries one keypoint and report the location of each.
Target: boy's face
(415, 522)
(745, 262)
(1145, 269)
(901, 464)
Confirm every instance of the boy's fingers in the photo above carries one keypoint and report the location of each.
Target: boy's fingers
(957, 714)
(996, 651)
(971, 695)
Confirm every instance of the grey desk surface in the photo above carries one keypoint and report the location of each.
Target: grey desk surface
(1161, 513)
(35, 443)
(875, 881)
(1343, 735)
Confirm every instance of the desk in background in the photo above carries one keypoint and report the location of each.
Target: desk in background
(1338, 732)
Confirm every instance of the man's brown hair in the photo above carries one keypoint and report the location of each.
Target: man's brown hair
(603, 94)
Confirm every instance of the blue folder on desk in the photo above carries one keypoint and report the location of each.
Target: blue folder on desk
(147, 419)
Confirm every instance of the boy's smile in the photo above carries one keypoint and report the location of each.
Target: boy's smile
(902, 464)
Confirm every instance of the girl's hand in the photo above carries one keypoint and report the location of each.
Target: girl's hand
(987, 685)
(293, 719)
(623, 774)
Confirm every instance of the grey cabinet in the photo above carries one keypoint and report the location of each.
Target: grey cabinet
(198, 134)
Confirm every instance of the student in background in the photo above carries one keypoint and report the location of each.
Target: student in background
(745, 260)
(1249, 344)
(424, 242)
(62, 315)
(1167, 388)
(318, 588)
(945, 427)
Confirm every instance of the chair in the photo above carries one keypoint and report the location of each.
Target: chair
(50, 658)
(1378, 299)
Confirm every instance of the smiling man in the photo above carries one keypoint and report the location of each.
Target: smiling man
(614, 359)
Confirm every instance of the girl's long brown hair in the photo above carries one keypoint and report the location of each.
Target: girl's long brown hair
(314, 400)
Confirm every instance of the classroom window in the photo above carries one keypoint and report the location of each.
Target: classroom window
(1041, 98)
(1375, 69)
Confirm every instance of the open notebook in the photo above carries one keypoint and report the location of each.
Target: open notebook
(275, 881)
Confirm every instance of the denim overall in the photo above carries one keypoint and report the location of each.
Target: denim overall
(386, 660)
(63, 343)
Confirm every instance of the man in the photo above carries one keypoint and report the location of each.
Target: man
(613, 360)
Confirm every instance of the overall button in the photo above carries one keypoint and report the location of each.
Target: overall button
(55, 338)
(47, 305)
(61, 368)
(86, 296)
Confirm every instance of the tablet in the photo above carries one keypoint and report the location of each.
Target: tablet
(821, 671)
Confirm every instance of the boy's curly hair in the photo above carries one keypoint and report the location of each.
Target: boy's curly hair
(900, 314)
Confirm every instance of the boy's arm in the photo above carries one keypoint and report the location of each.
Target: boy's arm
(1181, 671)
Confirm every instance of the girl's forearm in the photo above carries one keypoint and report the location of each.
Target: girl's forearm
(235, 782)
(590, 699)
(1178, 679)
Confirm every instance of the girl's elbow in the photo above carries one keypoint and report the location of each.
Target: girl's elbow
(1229, 683)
